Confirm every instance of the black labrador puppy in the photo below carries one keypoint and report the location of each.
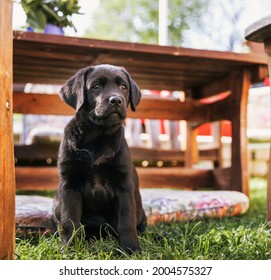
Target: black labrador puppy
(98, 181)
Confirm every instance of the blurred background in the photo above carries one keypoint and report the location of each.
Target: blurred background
(202, 24)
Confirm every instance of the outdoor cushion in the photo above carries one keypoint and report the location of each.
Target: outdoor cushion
(179, 205)
(161, 205)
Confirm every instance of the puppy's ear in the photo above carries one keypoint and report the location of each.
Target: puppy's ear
(134, 94)
(73, 91)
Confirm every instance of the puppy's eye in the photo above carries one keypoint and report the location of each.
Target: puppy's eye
(123, 87)
(96, 86)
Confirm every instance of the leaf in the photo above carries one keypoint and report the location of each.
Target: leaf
(50, 11)
(41, 19)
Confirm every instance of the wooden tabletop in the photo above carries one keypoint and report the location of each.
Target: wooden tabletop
(260, 30)
(52, 59)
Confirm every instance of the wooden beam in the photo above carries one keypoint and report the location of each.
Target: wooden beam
(213, 88)
(45, 151)
(174, 177)
(36, 178)
(46, 178)
(172, 109)
(258, 73)
(90, 45)
(267, 45)
(48, 104)
(240, 84)
(7, 182)
(149, 108)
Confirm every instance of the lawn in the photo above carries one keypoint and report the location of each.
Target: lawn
(235, 238)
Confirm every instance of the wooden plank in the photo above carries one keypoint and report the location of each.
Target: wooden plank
(7, 182)
(36, 178)
(213, 88)
(46, 178)
(174, 177)
(240, 84)
(135, 48)
(149, 108)
(156, 154)
(36, 152)
(181, 68)
(258, 73)
(41, 104)
(43, 152)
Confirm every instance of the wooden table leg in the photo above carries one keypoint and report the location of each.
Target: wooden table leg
(7, 174)
(267, 45)
(239, 170)
(260, 32)
(269, 189)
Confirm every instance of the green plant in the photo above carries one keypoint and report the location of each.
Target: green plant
(56, 12)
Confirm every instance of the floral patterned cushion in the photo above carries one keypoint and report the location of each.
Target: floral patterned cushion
(161, 205)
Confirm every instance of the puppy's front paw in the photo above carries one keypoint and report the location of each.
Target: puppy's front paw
(129, 246)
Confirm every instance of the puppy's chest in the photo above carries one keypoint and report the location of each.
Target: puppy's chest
(100, 186)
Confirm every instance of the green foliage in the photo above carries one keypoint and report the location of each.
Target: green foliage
(56, 12)
(246, 237)
(137, 20)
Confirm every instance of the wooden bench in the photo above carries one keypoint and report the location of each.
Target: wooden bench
(36, 163)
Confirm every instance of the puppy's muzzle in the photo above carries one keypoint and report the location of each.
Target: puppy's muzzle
(115, 101)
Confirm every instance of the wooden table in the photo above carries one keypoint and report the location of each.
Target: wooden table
(260, 32)
(40, 58)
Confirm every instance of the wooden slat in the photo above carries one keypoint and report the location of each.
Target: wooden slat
(36, 178)
(216, 87)
(75, 42)
(149, 108)
(40, 104)
(174, 177)
(43, 152)
(7, 183)
(46, 178)
(36, 152)
(170, 155)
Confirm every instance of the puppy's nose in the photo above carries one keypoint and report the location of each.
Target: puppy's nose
(115, 101)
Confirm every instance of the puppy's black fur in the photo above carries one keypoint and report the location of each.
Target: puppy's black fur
(98, 181)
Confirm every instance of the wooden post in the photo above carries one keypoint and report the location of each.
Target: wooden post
(191, 153)
(7, 175)
(260, 32)
(267, 45)
(240, 84)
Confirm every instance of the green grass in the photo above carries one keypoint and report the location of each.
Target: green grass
(234, 238)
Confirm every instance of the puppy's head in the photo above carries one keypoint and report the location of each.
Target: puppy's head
(103, 92)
